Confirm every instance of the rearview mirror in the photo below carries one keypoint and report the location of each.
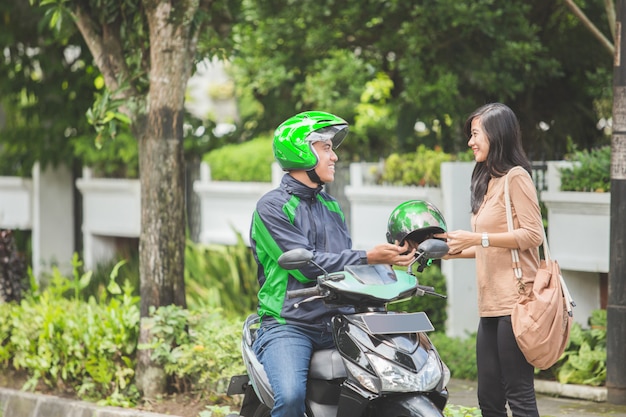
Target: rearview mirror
(295, 258)
(433, 249)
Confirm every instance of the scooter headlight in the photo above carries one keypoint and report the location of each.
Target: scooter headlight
(397, 379)
(366, 379)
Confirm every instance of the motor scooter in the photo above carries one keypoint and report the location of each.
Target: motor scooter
(384, 364)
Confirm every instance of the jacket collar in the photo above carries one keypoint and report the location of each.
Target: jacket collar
(295, 187)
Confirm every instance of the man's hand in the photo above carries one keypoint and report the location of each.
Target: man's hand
(388, 253)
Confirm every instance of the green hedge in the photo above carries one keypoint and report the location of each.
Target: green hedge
(591, 171)
(421, 168)
(248, 161)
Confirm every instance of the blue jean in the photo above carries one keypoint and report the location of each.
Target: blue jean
(285, 352)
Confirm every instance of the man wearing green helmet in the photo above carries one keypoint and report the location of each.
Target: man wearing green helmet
(300, 214)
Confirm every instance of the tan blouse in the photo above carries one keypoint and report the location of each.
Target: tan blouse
(497, 285)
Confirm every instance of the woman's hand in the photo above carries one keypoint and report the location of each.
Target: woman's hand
(458, 240)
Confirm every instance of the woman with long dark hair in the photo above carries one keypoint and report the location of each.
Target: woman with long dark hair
(504, 375)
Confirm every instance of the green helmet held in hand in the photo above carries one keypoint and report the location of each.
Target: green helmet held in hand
(294, 138)
(414, 220)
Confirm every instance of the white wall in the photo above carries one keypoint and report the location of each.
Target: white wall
(53, 219)
(226, 207)
(16, 196)
(111, 209)
(43, 205)
(579, 239)
(460, 273)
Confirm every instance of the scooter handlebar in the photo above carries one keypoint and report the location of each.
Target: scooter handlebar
(429, 290)
(304, 292)
(425, 288)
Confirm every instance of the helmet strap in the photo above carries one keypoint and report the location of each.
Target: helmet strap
(314, 177)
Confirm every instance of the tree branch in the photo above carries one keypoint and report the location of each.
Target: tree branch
(589, 25)
(105, 47)
(610, 15)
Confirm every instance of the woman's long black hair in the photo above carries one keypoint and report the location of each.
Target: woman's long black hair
(505, 147)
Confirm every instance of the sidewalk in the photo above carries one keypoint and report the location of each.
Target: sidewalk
(14, 403)
(463, 393)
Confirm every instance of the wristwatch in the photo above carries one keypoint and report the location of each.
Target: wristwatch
(485, 240)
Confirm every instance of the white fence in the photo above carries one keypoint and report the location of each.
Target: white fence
(44, 205)
(112, 209)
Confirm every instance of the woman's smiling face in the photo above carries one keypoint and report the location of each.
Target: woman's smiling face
(478, 141)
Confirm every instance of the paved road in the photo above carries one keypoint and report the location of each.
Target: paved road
(463, 393)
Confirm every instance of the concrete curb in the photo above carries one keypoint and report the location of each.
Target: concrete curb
(14, 403)
(581, 392)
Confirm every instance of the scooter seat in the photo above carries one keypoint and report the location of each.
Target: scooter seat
(326, 364)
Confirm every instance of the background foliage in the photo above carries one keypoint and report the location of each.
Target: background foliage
(402, 73)
(219, 276)
(249, 161)
(590, 171)
(45, 89)
(414, 70)
(584, 361)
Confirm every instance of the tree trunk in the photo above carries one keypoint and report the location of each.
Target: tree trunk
(161, 163)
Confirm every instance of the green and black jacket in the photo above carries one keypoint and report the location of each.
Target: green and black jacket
(296, 216)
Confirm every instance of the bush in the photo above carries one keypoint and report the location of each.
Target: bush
(591, 171)
(248, 161)
(87, 345)
(216, 276)
(584, 359)
(459, 354)
(69, 344)
(422, 168)
(88, 348)
(202, 358)
(221, 276)
(110, 158)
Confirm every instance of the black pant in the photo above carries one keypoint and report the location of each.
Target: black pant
(504, 375)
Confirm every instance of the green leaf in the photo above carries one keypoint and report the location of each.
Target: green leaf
(85, 279)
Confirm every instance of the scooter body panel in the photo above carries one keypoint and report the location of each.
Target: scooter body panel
(331, 391)
(384, 364)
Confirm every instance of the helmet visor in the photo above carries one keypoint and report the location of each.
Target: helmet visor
(335, 133)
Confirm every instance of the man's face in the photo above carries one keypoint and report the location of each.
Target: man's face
(325, 168)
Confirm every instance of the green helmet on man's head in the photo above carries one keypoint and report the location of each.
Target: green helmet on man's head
(294, 138)
(414, 220)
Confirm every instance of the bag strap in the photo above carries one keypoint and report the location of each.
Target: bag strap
(509, 220)
(569, 301)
